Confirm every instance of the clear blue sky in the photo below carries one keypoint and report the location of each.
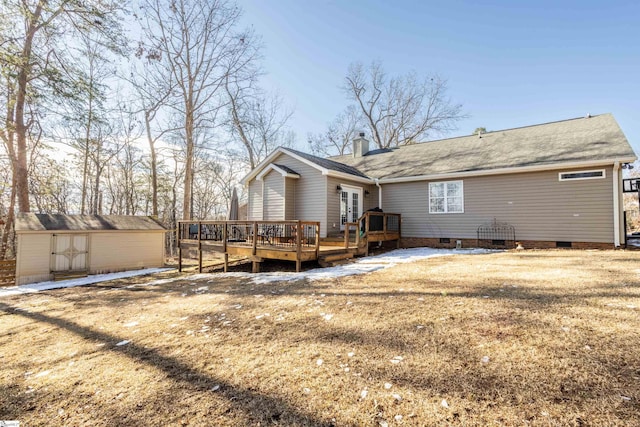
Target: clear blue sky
(510, 63)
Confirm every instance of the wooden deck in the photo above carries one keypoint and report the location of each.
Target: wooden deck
(296, 241)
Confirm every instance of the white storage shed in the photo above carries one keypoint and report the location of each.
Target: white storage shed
(50, 246)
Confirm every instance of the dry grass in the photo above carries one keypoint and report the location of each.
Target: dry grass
(533, 338)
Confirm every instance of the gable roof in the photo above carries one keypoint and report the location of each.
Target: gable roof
(326, 166)
(281, 169)
(568, 142)
(329, 164)
(54, 222)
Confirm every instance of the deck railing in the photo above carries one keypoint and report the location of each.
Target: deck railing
(374, 226)
(273, 234)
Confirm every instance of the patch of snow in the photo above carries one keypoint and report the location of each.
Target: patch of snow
(94, 278)
(121, 343)
(485, 359)
(360, 266)
(387, 386)
(130, 324)
(444, 403)
(319, 362)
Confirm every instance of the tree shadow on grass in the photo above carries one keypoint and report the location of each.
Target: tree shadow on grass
(258, 408)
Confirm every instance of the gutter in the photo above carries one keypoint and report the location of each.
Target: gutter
(503, 171)
(616, 204)
(377, 181)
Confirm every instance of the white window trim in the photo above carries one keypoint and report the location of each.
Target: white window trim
(445, 197)
(604, 175)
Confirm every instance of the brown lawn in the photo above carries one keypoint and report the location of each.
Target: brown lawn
(530, 338)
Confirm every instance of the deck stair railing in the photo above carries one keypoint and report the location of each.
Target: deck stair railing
(373, 226)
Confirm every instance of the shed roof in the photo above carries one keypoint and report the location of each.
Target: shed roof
(60, 222)
(582, 139)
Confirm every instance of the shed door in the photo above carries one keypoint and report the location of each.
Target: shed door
(70, 252)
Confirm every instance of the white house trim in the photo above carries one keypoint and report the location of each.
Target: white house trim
(503, 171)
(342, 175)
(280, 150)
(278, 169)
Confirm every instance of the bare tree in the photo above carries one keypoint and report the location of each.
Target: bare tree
(154, 86)
(33, 61)
(400, 110)
(198, 44)
(336, 140)
(257, 121)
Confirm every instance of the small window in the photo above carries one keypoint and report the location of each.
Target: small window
(563, 244)
(495, 242)
(446, 197)
(445, 240)
(569, 176)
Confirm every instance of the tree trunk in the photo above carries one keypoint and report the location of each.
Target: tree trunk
(8, 226)
(22, 170)
(154, 167)
(188, 168)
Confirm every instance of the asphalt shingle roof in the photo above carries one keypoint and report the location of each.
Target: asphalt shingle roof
(287, 169)
(51, 222)
(329, 164)
(575, 140)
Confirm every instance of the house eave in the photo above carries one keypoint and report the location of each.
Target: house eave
(281, 171)
(355, 178)
(505, 171)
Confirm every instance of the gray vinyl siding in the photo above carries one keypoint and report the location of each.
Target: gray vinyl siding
(273, 191)
(254, 211)
(290, 198)
(537, 204)
(310, 191)
(333, 200)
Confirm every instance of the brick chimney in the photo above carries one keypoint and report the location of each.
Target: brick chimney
(360, 145)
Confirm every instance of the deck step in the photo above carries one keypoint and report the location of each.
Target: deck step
(337, 257)
(331, 260)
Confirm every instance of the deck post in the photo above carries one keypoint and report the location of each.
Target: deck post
(224, 247)
(346, 235)
(399, 231)
(179, 255)
(317, 229)
(199, 247)
(366, 231)
(298, 246)
(255, 238)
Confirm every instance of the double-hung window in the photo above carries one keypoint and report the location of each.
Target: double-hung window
(446, 197)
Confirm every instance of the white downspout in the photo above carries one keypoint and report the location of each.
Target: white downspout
(616, 205)
(377, 181)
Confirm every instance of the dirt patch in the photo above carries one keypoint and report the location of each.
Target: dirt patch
(530, 338)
